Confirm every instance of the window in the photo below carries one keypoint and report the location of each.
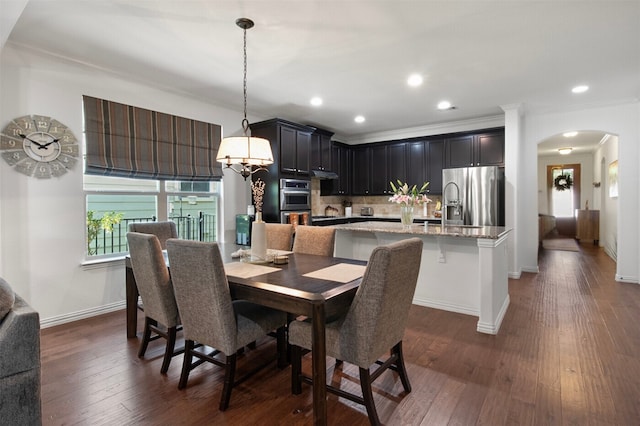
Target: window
(143, 165)
(563, 201)
(194, 206)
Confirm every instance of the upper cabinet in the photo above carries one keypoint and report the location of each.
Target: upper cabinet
(434, 165)
(416, 160)
(360, 169)
(378, 170)
(472, 150)
(425, 160)
(291, 145)
(374, 166)
(397, 165)
(341, 163)
(490, 149)
(321, 156)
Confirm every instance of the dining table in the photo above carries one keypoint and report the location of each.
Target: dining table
(314, 286)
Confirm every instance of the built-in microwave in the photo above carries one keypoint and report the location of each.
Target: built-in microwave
(295, 194)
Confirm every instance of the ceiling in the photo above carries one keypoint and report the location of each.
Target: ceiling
(355, 54)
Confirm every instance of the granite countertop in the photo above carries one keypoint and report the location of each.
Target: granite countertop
(373, 218)
(464, 231)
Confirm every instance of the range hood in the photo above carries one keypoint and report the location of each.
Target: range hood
(323, 174)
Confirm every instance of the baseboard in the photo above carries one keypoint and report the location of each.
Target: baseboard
(515, 275)
(446, 307)
(495, 327)
(627, 279)
(87, 313)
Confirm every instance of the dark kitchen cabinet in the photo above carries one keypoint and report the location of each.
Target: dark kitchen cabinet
(343, 158)
(361, 163)
(341, 162)
(397, 165)
(490, 149)
(416, 160)
(459, 151)
(378, 170)
(291, 145)
(434, 165)
(486, 149)
(321, 155)
(294, 151)
(425, 160)
(387, 161)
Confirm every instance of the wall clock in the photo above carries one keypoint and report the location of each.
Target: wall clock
(39, 146)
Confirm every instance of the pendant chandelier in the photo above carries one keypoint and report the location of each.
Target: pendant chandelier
(251, 154)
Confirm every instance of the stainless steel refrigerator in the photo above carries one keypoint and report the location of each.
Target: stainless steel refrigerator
(473, 196)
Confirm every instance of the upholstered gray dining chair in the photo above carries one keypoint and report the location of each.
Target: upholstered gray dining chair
(210, 317)
(318, 240)
(154, 285)
(279, 236)
(162, 230)
(374, 323)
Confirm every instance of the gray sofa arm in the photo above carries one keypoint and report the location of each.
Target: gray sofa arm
(20, 365)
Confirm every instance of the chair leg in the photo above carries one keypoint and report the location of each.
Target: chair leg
(367, 395)
(168, 351)
(296, 370)
(402, 371)
(146, 336)
(229, 373)
(186, 363)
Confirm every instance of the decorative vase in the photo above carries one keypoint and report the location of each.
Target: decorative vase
(406, 215)
(258, 238)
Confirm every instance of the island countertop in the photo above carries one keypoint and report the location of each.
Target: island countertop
(464, 231)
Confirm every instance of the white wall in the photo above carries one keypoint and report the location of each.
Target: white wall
(621, 120)
(42, 221)
(608, 206)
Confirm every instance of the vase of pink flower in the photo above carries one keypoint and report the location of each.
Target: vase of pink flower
(408, 197)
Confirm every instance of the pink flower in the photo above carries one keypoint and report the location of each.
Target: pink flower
(403, 194)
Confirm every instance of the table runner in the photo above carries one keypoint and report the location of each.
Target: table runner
(342, 272)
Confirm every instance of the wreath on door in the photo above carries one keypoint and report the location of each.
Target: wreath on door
(563, 182)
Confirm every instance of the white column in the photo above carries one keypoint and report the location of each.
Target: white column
(493, 283)
(512, 159)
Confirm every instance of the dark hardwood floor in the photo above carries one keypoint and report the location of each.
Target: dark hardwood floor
(567, 354)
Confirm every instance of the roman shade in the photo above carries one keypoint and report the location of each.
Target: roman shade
(132, 142)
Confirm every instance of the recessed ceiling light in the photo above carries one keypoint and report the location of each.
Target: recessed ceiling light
(580, 89)
(414, 80)
(569, 134)
(359, 119)
(565, 151)
(316, 101)
(445, 105)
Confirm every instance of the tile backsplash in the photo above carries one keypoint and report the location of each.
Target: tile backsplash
(380, 203)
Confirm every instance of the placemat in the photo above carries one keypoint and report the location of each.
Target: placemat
(247, 270)
(342, 272)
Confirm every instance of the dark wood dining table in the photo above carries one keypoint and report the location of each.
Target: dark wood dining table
(287, 289)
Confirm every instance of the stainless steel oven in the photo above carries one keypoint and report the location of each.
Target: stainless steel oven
(295, 195)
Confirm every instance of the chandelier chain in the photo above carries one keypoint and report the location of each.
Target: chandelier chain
(245, 122)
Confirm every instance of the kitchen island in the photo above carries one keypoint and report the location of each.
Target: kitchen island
(463, 268)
